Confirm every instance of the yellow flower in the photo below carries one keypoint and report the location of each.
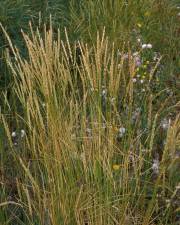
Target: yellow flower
(145, 66)
(139, 25)
(116, 167)
(147, 62)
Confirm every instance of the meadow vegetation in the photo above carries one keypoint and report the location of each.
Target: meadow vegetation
(89, 112)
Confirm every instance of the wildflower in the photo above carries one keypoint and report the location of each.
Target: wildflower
(139, 25)
(141, 81)
(134, 80)
(178, 14)
(137, 61)
(135, 53)
(165, 123)
(116, 167)
(149, 45)
(103, 92)
(155, 166)
(13, 134)
(144, 46)
(155, 58)
(143, 90)
(22, 133)
(122, 131)
(120, 66)
(138, 75)
(139, 40)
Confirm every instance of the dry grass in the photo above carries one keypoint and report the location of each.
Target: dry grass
(75, 164)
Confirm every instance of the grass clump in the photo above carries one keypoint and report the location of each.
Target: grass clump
(89, 116)
(88, 143)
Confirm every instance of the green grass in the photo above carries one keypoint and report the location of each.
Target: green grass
(88, 135)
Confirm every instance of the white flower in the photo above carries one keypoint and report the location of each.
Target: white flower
(120, 66)
(165, 123)
(138, 40)
(149, 45)
(103, 92)
(122, 131)
(155, 58)
(138, 75)
(135, 53)
(141, 81)
(22, 133)
(134, 80)
(13, 134)
(144, 46)
(178, 14)
(137, 61)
